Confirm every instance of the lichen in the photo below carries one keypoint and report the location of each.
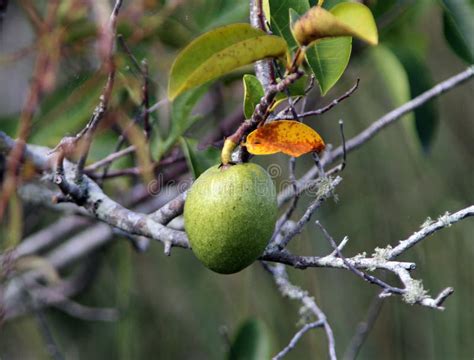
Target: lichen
(382, 254)
(445, 219)
(427, 222)
(306, 315)
(415, 292)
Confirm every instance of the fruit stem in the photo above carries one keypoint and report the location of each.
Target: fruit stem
(227, 149)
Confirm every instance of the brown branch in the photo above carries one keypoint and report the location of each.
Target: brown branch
(261, 111)
(326, 108)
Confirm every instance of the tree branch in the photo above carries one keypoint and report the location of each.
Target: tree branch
(293, 292)
(296, 338)
(307, 180)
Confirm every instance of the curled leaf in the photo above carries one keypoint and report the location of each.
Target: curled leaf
(345, 19)
(286, 136)
(220, 51)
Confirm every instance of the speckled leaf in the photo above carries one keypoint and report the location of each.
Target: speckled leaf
(286, 136)
(220, 51)
(253, 92)
(345, 19)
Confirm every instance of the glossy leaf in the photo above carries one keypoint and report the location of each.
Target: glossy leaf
(458, 27)
(219, 52)
(252, 342)
(345, 19)
(286, 136)
(280, 20)
(199, 160)
(253, 92)
(328, 59)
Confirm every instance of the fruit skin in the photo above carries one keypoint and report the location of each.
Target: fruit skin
(229, 216)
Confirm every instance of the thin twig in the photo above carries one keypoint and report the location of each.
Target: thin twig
(129, 53)
(369, 278)
(363, 329)
(389, 118)
(290, 210)
(296, 293)
(325, 192)
(296, 338)
(87, 133)
(328, 107)
(444, 221)
(307, 180)
(110, 159)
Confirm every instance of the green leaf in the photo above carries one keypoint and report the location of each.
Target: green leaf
(253, 92)
(181, 120)
(280, 20)
(359, 19)
(397, 86)
(419, 77)
(328, 59)
(252, 342)
(393, 74)
(458, 27)
(345, 19)
(220, 51)
(199, 161)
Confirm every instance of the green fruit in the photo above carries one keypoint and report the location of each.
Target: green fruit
(229, 216)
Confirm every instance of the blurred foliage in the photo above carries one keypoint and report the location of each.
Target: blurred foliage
(172, 307)
(252, 342)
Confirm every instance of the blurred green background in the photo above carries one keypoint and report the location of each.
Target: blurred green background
(174, 308)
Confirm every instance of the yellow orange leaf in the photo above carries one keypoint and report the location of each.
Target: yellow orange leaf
(286, 136)
(345, 19)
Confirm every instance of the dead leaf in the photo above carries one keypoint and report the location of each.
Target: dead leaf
(286, 136)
